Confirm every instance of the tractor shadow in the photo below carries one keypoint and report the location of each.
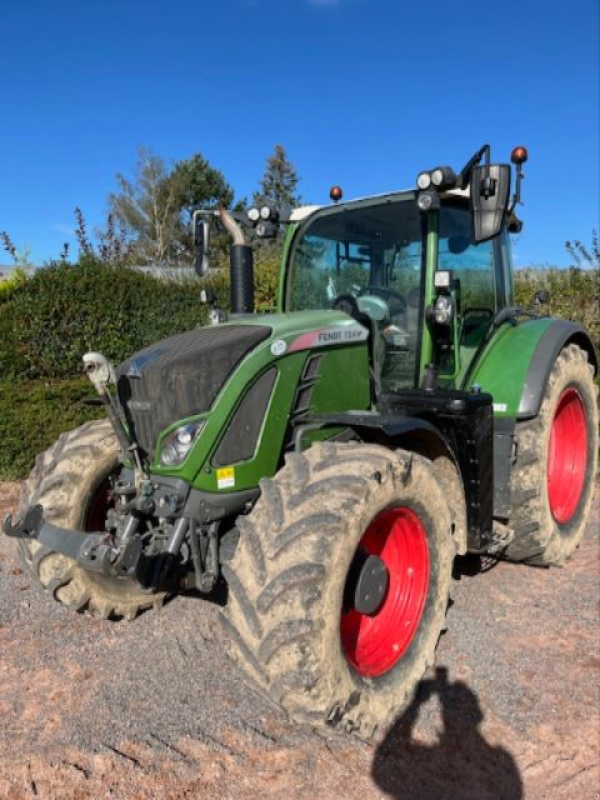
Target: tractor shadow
(461, 765)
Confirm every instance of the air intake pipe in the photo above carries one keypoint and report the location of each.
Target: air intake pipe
(241, 260)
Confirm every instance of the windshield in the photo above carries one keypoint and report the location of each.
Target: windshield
(367, 259)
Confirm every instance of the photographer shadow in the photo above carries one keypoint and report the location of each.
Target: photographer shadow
(460, 766)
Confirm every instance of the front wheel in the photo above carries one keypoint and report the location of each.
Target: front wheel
(339, 587)
(71, 481)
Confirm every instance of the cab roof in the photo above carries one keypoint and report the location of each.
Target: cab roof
(303, 212)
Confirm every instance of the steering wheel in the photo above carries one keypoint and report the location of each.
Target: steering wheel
(395, 301)
(348, 304)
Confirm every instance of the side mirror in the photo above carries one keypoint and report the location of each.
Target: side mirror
(201, 244)
(490, 191)
(541, 298)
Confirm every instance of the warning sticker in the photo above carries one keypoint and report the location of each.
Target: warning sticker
(226, 478)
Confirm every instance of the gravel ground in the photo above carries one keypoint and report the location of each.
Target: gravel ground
(154, 710)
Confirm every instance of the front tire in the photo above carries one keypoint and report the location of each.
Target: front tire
(553, 477)
(290, 614)
(71, 482)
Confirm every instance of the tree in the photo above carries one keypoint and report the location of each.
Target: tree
(148, 209)
(197, 183)
(155, 208)
(278, 185)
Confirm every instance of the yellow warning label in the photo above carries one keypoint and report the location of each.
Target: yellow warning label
(226, 478)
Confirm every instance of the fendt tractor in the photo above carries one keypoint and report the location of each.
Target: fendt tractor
(320, 467)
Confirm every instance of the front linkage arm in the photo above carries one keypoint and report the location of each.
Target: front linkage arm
(96, 552)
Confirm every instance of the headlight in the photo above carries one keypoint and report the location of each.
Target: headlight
(444, 178)
(177, 445)
(428, 201)
(443, 310)
(253, 214)
(424, 180)
(437, 177)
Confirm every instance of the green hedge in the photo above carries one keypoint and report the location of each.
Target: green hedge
(34, 414)
(574, 294)
(50, 320)
(63, 312)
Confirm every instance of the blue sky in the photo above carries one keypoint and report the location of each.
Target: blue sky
(364, 93)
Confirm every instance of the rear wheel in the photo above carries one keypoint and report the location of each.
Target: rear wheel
(553, 477)
(340, 584)
(71, 481)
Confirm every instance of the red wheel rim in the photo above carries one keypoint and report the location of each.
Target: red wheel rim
(374, 644)
(567, 456)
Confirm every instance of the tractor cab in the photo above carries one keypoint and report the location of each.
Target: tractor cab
(421, 269)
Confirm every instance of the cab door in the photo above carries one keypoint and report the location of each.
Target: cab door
(478, 271)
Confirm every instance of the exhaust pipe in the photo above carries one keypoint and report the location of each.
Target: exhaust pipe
(241, 260)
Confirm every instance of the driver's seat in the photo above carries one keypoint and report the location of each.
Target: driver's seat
(376, 343)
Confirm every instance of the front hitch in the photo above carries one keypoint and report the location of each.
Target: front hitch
(96, 552)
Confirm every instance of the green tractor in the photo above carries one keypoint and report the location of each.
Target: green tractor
(328, 462)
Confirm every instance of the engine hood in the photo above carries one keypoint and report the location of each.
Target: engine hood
(181, 376)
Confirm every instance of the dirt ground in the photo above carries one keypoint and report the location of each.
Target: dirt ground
(154, 710)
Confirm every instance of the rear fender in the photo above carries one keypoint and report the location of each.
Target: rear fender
(515, 366)
(559, 335)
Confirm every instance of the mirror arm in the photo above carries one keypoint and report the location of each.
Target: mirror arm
(465, 174)
(516, 199)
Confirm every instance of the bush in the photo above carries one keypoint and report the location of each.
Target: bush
(50, 320)
(34, 414)
(63, 311)
(574, 294)
(266, 283)
(9, 285)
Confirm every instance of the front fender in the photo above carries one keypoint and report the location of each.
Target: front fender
(515, 366)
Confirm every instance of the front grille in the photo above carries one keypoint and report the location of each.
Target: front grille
(181, 377)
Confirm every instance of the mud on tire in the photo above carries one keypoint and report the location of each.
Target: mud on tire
(69, 480)
(539, 537)
(287, 582)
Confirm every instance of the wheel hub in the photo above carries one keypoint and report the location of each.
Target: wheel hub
(371, 586)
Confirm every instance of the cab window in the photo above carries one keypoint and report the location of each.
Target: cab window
(473, 265)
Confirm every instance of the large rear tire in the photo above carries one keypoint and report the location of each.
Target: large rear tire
(70, 480)
(552, 482)
(292, 617)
